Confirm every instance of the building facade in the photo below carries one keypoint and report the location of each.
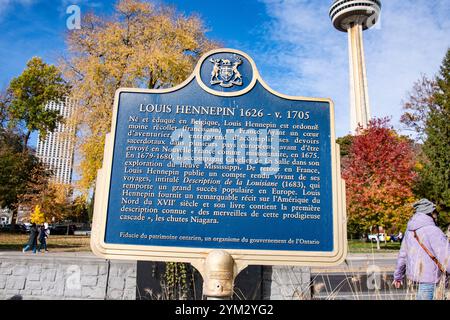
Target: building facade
(5, 216)
(57, 149)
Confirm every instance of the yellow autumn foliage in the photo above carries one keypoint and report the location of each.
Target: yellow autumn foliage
(37, 216)
(141, 45)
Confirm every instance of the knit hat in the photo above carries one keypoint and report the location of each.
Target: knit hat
(424, 206)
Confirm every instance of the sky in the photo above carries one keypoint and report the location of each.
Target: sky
(294, 45)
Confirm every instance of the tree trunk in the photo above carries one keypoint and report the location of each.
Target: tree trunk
(25, 141)
(14, 216)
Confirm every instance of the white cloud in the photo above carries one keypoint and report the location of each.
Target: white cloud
(309, 57)
(5, 4)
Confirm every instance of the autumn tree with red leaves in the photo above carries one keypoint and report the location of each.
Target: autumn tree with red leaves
(380, 172)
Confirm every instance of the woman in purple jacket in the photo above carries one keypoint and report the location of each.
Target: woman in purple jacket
(425, 251)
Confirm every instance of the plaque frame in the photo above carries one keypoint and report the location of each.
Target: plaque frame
(197, 256)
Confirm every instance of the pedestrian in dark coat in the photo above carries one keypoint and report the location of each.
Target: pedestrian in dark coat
(32, 240)
(43, 235)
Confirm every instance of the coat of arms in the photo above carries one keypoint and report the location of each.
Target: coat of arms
(225, 73)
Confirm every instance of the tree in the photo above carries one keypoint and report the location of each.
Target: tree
(345, 144)
(12, 163)
(379, 173)
(29, 94)
(79, 210)
(53, 198)
(4, 102)
(37, 216)
(16, 163)
(90, 207)
(418, 105)
(435, 176)
(140, 45)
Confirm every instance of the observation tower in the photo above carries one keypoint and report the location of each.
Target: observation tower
(353, 17)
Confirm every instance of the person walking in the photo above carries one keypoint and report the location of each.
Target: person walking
(32, 240)
(400, 236)
(43, 235)
(425, 252)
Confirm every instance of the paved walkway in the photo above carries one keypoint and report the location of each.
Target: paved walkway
(360, 263)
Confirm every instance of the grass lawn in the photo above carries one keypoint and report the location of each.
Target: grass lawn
(358, 246)
(16, 242)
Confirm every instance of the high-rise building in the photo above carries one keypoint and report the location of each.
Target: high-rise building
(57, 149)
(354, 16)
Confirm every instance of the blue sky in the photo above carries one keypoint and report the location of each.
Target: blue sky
(292, 42)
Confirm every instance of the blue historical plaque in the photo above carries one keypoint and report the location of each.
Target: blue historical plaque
(221, 162)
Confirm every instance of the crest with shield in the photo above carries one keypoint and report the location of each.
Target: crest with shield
(225, 73)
